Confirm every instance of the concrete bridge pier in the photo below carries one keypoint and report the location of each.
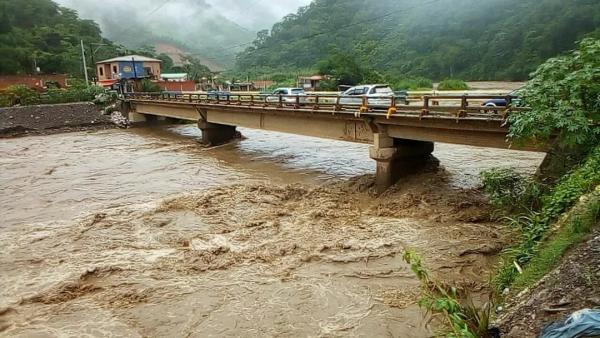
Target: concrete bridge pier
(396, 158)
(216, 134)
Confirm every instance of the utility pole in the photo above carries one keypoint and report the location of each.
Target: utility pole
(87, 81)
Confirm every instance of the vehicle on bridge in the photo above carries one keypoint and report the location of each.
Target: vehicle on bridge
(377, 95)
(288, 96)
(511, 99)
(218, 95)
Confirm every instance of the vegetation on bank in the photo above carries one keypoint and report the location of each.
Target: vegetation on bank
(549, 216)
(463, 317)
(453, 84)
(532, 209)
(580, 222)
(564, 96)
(23, 95)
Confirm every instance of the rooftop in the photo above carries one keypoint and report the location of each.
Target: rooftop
(126, 58)
(174, 75)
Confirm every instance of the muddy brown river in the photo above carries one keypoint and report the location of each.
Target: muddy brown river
(144, 233)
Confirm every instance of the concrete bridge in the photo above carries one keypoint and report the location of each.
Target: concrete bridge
(402, 136)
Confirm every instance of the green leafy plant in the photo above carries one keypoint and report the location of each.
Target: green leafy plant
(564, 97)
(19, 94)
(463, 317)
(510, 191)
(148, 86)
(412, 84)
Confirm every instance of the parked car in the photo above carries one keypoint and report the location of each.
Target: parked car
(378, 95)
(217, 94)
(288, 95)
(513, 99)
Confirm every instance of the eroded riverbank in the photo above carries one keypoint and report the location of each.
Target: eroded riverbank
(152, 236)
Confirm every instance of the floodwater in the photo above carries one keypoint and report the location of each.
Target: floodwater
(143, 232)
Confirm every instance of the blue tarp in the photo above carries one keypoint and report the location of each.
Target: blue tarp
(584, 323)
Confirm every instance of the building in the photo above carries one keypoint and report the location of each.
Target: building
(263, 84)
(130, 67)
(240, 86)
(310, 82)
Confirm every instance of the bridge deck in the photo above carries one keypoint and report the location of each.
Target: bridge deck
(327, 116)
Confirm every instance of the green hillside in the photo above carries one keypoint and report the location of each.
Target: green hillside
(469, 39)
(39, 32)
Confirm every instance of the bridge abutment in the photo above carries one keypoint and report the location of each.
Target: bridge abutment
(396, 158)
(216, 134)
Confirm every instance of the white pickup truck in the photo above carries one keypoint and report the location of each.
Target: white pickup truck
(378, 95)
(288, 95)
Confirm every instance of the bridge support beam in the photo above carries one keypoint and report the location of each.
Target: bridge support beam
(396, 158)
(216, 134)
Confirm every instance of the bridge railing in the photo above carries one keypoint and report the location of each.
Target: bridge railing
(454, 105)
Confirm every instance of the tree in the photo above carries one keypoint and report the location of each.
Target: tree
(41, 33)
(195, 69)
(564, 97)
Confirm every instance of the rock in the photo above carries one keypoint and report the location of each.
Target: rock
(516, 332)
(595, 301)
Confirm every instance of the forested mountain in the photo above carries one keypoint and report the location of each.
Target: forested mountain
(188, 24)
(209, 29)
(41, 33)
(469, 39)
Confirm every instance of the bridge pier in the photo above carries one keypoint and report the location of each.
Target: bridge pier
(137, 117)
(216, 134)
(396, 158)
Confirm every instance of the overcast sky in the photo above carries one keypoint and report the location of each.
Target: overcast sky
(257, 14)
(251, 14)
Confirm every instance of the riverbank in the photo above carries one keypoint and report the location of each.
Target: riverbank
(52, 119)
(571, 286)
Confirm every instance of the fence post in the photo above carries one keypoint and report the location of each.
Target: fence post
(425, 109)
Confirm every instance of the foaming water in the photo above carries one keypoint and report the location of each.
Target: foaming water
(63, 176)
(233, 252)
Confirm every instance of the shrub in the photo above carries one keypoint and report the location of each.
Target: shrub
(148, 86)
(76, 92)
(564, 97)
(453, 84)
(19, 94)
(412, 84)
(71, 94)
(510, 191)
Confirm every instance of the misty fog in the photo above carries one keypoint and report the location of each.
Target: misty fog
(197, 24)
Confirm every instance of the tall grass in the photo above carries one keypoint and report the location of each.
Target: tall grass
(457, 309)
(453, 84)
(536, 250)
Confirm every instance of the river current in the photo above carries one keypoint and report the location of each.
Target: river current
(143, 232)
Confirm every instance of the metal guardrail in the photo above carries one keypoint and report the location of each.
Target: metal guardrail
(388, 105)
